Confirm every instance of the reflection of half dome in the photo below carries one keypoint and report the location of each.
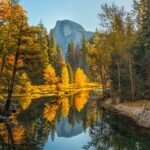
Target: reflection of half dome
(64, 129)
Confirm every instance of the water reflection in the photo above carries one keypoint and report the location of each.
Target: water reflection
(74, 122)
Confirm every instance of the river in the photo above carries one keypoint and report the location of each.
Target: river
(76, 122)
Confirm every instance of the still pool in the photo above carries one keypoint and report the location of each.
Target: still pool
(75, 122)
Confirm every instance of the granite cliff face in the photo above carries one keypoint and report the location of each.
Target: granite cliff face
(66, 31)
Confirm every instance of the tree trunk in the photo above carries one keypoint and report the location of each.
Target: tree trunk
(119, 79)
(2, 67)
(12, 80)
(103, 82)
(132, 82)
(5, 42)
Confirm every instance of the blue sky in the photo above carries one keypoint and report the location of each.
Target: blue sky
(83, 12)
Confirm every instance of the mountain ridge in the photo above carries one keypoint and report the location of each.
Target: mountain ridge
(66, 31)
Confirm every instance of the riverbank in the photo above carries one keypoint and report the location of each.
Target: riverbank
(139, 111)
(52, 90)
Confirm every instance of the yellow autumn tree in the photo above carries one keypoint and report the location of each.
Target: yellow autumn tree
(26, 84)
(80, 77)
(50, 74)
(65, 75)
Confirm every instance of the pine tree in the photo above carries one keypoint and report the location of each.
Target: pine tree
(84, 52)
(59, 53)
(20, 27)
(52, 49)
(59, 60)
(71, 55)
(43, 41)
(70, 71)
(143, 48)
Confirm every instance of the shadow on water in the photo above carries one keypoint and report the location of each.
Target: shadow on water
(67, 122)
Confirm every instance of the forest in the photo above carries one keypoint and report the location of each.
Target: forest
(44, 90)
(117, 55)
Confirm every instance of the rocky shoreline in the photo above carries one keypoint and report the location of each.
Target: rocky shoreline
(137, 111)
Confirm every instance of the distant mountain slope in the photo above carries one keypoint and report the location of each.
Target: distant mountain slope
(67, 30)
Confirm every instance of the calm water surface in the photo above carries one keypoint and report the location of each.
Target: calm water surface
(76, 122)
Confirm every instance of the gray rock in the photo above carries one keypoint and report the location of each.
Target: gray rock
(66, 31)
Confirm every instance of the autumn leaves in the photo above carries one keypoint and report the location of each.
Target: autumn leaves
(50, 76)
(63, 105)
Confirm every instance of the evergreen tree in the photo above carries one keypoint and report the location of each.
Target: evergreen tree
(52, 49)
(36, 58)
(143, 49)
(71, 55)
(84, 53)
(70, 71)
(59, 59)
(59, 53)
(20, 27)
(43, 41)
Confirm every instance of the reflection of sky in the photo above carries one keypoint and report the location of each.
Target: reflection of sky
(73, 143)
(83, 12)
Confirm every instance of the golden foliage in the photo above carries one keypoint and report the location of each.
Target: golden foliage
(49, 74)
(64, 106)
(65, 75)
(80, 100)
(8, 11)
(16, 132)
(19, 11)
(5, 10)
(61, 63)
(25, 102)
(80, 77)
(50, 112)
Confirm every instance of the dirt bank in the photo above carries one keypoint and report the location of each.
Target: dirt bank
(139, 111)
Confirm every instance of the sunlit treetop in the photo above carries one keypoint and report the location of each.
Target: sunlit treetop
(10, 10)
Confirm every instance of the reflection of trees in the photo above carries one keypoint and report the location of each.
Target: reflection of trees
(34, 125)
(10, 136)
(109, 134)
(80, 100)
(25, 102)
(64, 106)
(58, 109)
(89, 115)
(100, 136)
(6, 137)
(88, 110)
(50, 112)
